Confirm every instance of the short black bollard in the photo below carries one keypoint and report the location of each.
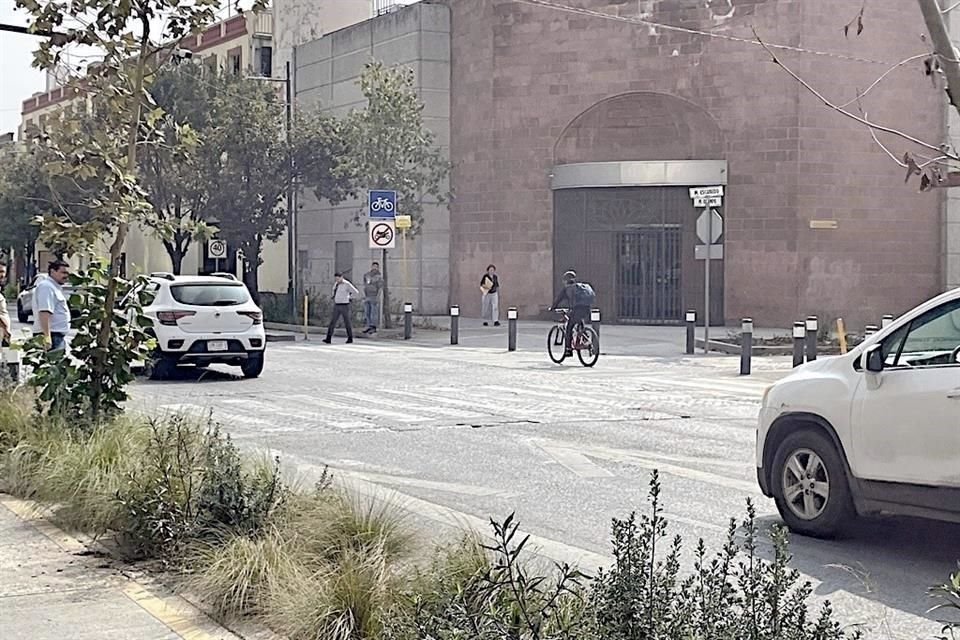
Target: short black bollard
(799, 334)
(813, 328)
(455, 324)
(691, 319)
(595, 323)
(886, 321)
(512, 329)
(407, 320)
(746, 345)
(869, 330)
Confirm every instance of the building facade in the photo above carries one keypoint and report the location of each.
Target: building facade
(577, 129)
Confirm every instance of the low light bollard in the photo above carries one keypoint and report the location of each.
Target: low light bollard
(455, 324)
(691, 319)
(407, 320)
(746, 345)
(813, 328)
(799, 336)
(595, 323)
(869, 330)
(886, 321)
(512, 329)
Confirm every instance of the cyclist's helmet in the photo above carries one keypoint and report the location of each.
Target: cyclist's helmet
(570, 277)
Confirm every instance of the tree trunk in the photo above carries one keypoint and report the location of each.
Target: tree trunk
(176, 251)
(251, 269)
(387, 317)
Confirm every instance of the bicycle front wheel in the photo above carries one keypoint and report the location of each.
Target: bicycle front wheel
(555, 344)
(589, 352)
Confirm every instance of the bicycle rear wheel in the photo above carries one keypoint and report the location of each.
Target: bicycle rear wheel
(589, 352)
(555, 344)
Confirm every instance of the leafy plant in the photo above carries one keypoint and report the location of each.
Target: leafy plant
(71, 386)
(949, 594)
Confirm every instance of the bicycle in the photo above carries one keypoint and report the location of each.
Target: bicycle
(381, 203)
(585, 341)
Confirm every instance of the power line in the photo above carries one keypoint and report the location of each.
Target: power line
(592, 13)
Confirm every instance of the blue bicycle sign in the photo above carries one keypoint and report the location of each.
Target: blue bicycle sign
(383, 204)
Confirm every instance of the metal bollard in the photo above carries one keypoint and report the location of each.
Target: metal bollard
(886, 321)
(691, 319)
(512, 329)
(869, 330)
(799, 333)
(813, 328)
(746, 345)
(455, 324)
(595, 323)
(407, 320)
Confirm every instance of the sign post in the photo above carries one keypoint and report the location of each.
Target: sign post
(217, 251)
(709, 230)
(382, 210)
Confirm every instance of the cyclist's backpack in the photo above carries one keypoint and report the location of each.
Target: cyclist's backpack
(583, 295)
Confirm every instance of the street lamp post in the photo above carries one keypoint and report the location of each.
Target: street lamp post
(291, 191)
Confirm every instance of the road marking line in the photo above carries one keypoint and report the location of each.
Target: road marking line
(573, 461)
(353, 407)
(376, 399)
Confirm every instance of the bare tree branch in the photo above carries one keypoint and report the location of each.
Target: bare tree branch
(872, 125)
(861, 94)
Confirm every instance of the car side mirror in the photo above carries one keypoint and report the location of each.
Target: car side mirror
(873, 359)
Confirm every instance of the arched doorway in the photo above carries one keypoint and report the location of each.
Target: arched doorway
(623, 217)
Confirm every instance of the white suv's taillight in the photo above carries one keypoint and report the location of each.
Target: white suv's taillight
(170, 318)
(256, 316)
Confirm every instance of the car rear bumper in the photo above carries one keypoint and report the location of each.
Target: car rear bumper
(204, 350)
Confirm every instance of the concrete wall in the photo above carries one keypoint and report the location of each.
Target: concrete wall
(328, 70)
(521, 74)
(951, 221)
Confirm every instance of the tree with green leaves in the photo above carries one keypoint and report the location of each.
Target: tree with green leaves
(248, 163)
(389, 147)
(169, 170)
(133, 37)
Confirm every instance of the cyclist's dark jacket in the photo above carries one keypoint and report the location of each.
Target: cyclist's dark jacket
(569, 294)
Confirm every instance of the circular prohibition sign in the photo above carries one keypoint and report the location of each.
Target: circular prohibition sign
(382, 234)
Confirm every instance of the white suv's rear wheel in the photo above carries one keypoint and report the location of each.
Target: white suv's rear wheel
(252, 367)
(810, 485)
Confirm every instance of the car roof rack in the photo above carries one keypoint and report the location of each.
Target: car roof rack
(163, 274)
(224, 274)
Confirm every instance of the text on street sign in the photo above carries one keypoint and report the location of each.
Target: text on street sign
(706, 192)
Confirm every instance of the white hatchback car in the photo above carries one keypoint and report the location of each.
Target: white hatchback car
(204, 320)
(874, 431)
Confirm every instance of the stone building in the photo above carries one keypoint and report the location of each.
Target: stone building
(577, 128)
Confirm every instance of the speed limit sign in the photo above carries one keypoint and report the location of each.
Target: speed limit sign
(217, 250)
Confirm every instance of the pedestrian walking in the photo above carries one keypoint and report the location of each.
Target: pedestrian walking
(51, 313)
(372, 285)
(343, 293)
(490, 303)
(6, 329)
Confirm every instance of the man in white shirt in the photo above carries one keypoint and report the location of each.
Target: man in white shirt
(343, 293)
(51, 313)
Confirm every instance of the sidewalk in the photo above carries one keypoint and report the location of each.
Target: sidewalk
(53, 588)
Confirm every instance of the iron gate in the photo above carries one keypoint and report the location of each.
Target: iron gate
(649, 274)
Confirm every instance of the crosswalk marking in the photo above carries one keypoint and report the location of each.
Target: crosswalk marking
(360, 408)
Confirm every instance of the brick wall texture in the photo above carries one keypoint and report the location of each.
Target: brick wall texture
(532, 87)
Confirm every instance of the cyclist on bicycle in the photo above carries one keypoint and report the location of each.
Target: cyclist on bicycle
(579, 296)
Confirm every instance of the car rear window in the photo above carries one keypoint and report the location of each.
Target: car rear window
(210, 294)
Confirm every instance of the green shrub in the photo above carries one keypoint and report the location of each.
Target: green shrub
(190, 484)
(949, 595)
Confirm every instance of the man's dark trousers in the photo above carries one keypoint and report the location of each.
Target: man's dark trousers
(340, 311)
(577, 314)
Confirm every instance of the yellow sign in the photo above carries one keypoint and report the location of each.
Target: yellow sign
(404, 222)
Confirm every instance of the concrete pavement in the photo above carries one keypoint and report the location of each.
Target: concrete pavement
(53, 587)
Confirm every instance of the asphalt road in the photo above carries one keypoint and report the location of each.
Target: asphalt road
(462, 434)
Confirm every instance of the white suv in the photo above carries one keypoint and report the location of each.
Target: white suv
(204, 320)
(874, 431)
